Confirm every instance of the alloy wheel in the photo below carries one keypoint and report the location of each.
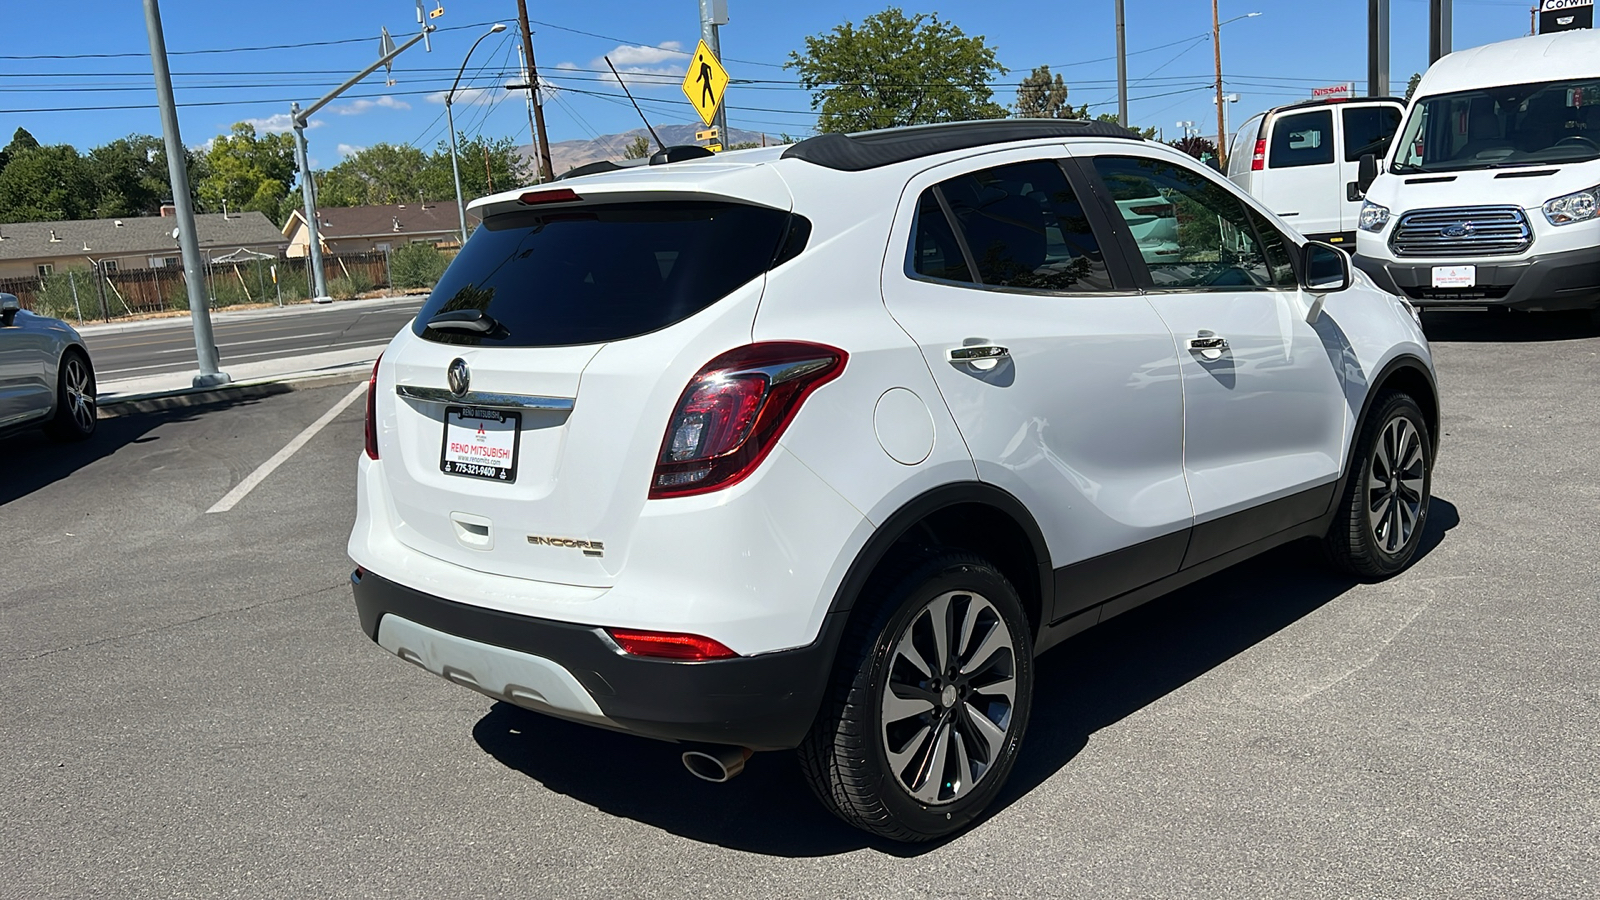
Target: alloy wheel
(948, 701)
(80, 393)
(1395, 481)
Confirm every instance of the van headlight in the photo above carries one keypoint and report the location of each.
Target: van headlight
(1579, 206)
(1374, 217)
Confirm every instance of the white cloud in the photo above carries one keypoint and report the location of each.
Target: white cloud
(660, 66)
(277, 124)
(627, 55)
(359, 106)
(348, 150)
(469, 95)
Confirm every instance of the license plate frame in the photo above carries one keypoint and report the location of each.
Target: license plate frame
(469, 457)
(1455, 276)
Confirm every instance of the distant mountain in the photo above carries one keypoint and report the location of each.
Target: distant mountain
(566, 155)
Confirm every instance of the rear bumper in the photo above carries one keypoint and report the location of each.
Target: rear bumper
(765, 702)
(1554, 281)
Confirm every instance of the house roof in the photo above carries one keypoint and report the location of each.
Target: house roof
(133, 236)
(386, 220)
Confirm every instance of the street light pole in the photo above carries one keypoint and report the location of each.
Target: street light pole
(449, 101)
(188, 241)
(1122, 68)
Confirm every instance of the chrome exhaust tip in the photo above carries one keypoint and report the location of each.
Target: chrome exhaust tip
(716, 764)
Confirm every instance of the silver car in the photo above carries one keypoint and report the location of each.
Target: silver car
(45, 374)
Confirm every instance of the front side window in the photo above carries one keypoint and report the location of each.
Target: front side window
(1369, 129)
(1519, 124)
(1023, 228)
(1303, 139)
(1191, 231)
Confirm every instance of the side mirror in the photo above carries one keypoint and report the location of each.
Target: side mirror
(1325, 270)
(9, 304)
(1367, 172)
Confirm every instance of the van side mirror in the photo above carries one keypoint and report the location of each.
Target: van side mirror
(1367, 172)
(1325, 269)
(9, 304)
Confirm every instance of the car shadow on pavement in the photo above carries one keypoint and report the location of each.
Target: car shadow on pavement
(29, 461)
(1088, 683)
(1511, 327)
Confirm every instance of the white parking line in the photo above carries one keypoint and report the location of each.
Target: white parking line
(244, 356)
(244, 487)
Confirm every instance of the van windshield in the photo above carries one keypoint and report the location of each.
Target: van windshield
(1510, 125)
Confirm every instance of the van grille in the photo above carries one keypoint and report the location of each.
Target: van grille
(1462, 231)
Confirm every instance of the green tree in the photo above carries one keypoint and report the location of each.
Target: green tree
(638, 148)
(20, 140)
(1411, 86)
(42, 184)
(504, 163)
(130, 176)
(250, 172)
(1042, 97)
(897, 70)
(381, 173)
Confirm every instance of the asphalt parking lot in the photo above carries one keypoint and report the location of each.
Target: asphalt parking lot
(191, 710)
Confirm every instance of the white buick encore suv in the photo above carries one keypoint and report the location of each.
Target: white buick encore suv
(819, 446)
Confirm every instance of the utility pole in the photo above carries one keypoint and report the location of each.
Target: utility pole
(1216, 50)
(188, 239)
(541, 139)
(714, 13)
(1440, 30)
(1122, 68)
(1377, 48)
(299, 119)
(533, 130)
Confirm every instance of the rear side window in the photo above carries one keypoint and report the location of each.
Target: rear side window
(1369, 130)
(934, 250)
(604, 272)
(1303, 139)
(1023, 227)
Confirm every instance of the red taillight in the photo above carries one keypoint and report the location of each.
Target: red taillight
(372, 411)
(668, 645)
(733, 411)
(1258, 160)
(559, 195)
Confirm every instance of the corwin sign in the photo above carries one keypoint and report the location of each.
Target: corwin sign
(1565, 15)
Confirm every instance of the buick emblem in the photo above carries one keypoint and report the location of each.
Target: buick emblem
(1463, 229)
(460, 379)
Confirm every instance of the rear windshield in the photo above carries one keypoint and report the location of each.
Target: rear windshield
(603, 272)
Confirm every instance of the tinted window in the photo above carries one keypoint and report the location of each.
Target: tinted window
(604, 272)
(1303, 139)
(934, 251)
(1191, 231)
(1277, 249)
(1507, 125)
(1026, 229)
(1369, 130)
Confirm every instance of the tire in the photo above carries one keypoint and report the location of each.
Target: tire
(866, 752)
(1384, 510)
(74, 419)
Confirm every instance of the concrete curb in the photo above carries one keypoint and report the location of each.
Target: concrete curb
(256, 389)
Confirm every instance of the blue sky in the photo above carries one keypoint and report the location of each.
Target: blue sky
(1274, 58)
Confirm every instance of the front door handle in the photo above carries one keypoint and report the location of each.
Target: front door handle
(982, 357)
(1209, 345)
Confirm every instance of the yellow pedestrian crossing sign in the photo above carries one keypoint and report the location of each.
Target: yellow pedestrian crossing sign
(705, 82)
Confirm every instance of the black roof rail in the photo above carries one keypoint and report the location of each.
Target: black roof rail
(872, 149)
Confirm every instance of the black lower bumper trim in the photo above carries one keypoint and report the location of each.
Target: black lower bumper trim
(1555, 281)
(764, 702)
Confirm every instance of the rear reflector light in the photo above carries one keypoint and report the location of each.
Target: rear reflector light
(372, 411)
(733, 412)
(559, 195)
(1258, 160)
(667, 645)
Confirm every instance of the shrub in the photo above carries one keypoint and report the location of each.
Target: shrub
(54, 297)
(416, 266)
(351, 287)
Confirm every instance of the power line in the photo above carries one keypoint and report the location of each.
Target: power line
(145, 54)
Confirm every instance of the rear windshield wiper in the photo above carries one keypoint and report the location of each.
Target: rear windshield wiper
(470, 321)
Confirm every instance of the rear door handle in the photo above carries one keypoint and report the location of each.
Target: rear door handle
(1208, 344)
(982, 357)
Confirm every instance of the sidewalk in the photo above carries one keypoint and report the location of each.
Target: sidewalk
(177, 388)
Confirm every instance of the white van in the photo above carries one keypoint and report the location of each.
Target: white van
(1302, 161)
(1491, 195)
